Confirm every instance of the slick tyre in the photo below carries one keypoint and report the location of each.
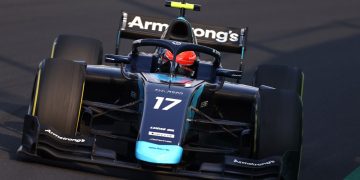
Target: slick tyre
(78, 48)
(280, 77)
(279, 127)
(279, 122)
(58, 94)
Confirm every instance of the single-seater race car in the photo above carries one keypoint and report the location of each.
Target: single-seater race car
(170, 110)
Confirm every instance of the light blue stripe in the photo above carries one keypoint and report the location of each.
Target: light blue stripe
(195, 100)
(242, 53)
(159, 154)
(177, 79)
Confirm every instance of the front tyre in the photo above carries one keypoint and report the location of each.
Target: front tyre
(279, 127)
(58, 94)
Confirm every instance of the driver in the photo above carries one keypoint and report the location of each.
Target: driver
(185, 60)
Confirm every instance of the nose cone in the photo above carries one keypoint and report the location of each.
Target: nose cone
(158, 154)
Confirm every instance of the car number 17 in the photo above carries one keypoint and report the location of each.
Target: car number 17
(160, 100)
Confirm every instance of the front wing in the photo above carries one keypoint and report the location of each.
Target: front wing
(47, 146)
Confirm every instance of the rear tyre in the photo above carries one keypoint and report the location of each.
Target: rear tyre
(58, 94)
(78, 48)
(280, 77)
(279, 127)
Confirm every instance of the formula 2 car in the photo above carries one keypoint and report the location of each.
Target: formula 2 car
(170, 111)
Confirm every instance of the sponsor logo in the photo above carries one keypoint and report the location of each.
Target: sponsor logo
(177, 43)
(159, 148)
(236, 75)
(154, 26)
(254, 164)
(219, 36)
(161, 129)
(160, 140)
(204, 104)
(165, 135)
(169, 91)
(158, 128)
(64, 138)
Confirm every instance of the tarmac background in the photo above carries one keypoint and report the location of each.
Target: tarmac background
(320, 36)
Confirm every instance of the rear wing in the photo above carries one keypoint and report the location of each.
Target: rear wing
(226, 39)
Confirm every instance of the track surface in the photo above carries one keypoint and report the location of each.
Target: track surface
(322, 37)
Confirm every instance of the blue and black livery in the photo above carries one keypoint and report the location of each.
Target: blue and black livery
(137, 115)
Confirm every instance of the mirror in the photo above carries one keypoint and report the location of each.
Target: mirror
(235, 74)
(117, 59)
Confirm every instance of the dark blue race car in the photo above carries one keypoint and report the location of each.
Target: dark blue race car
(167, 107)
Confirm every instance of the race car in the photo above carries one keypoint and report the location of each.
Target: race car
(167, 107)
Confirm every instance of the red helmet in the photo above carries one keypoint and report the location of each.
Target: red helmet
(186, 58)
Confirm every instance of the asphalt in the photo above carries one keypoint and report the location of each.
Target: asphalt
(322, 37)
